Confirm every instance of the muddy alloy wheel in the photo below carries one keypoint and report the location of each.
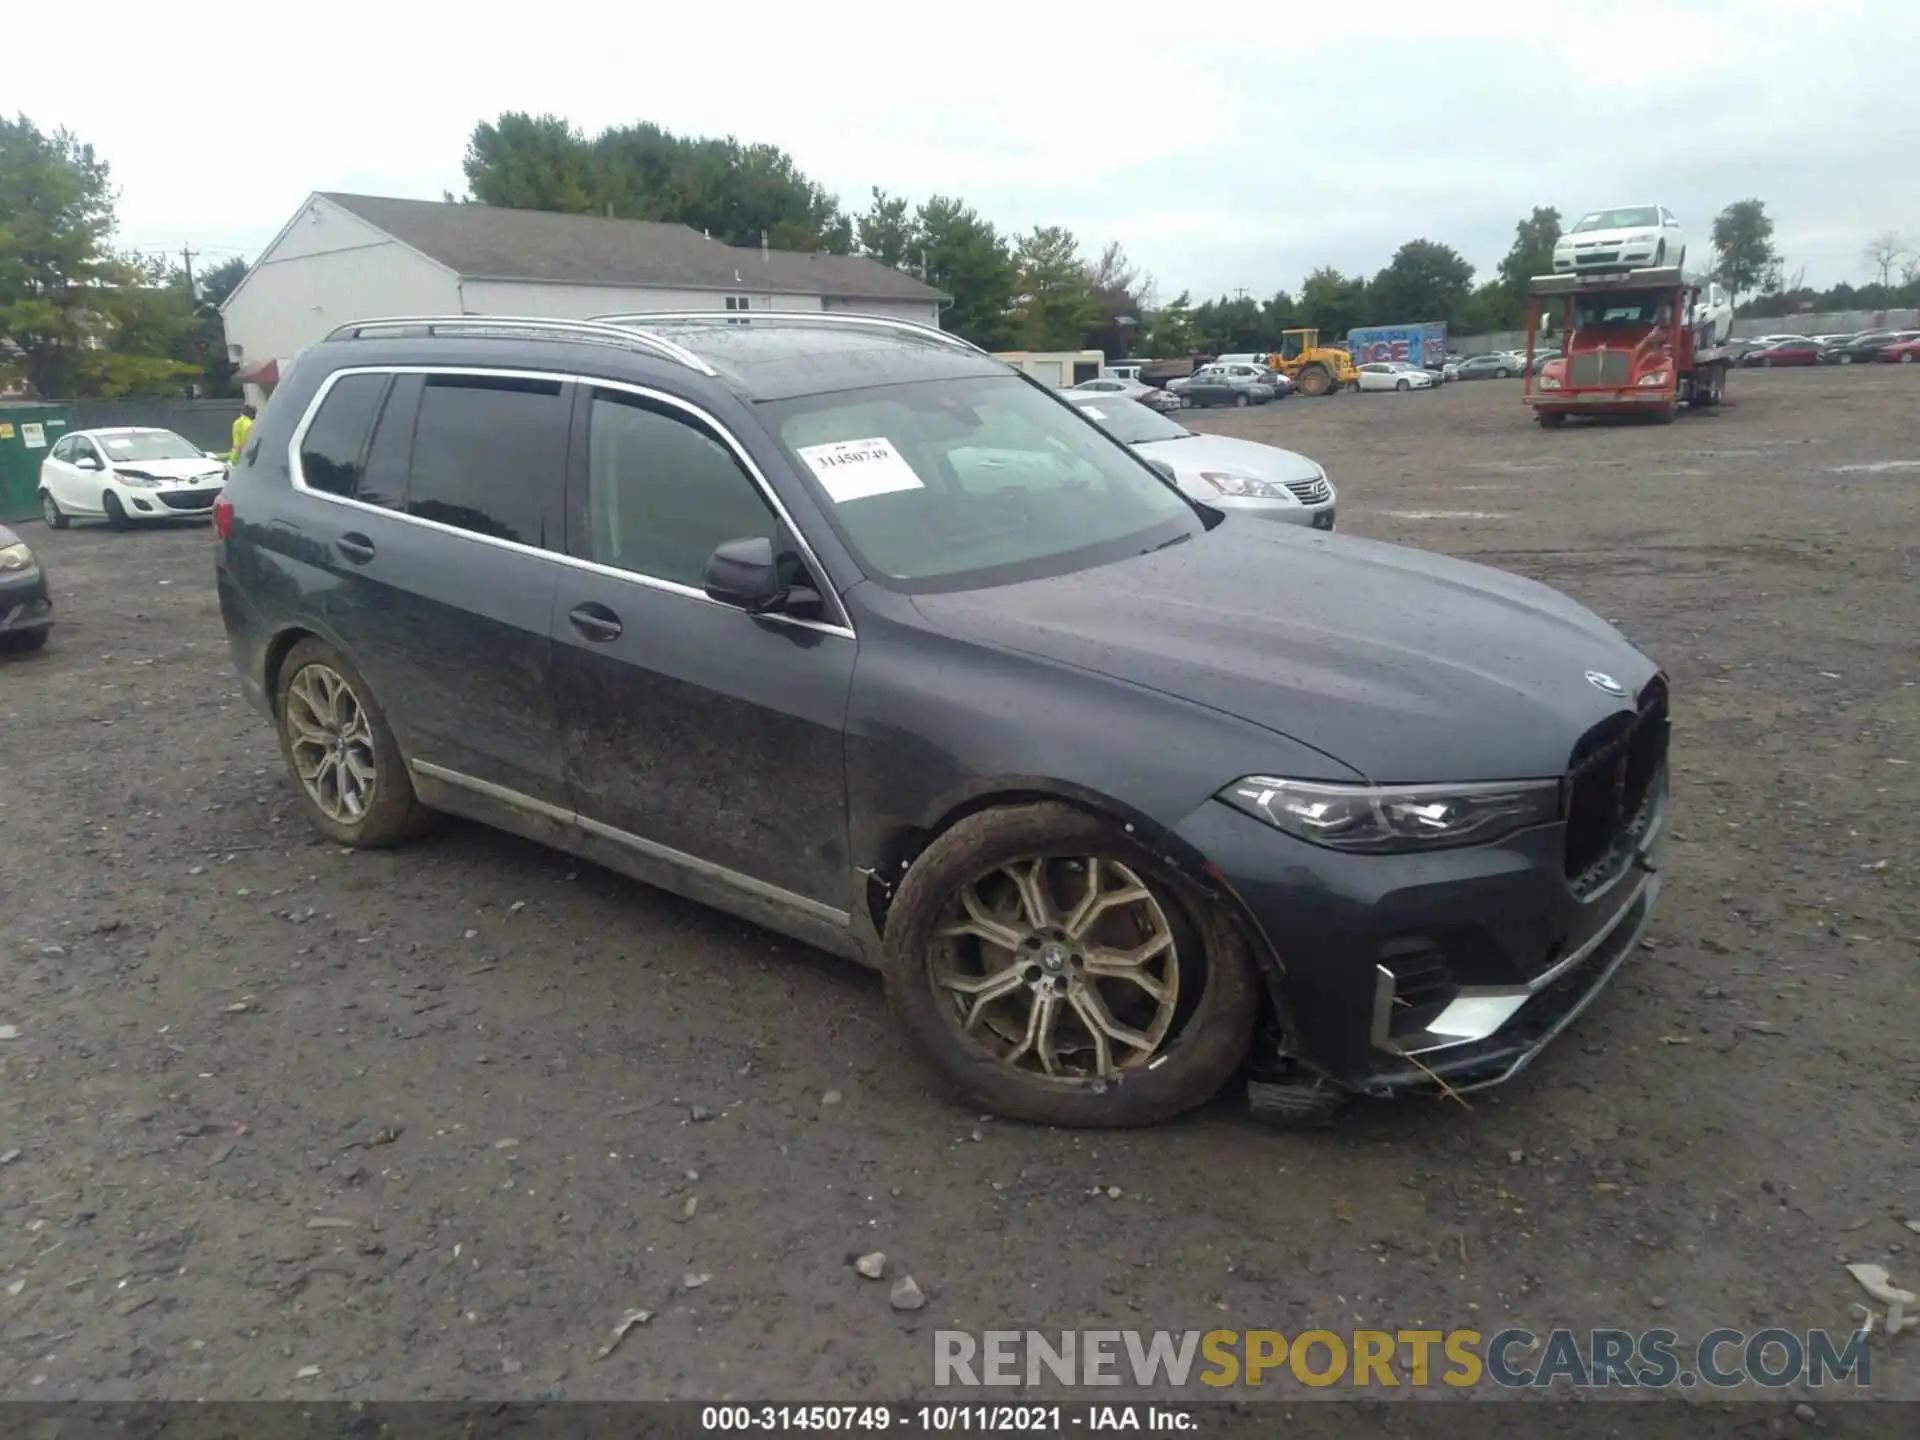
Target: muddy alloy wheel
(354, 784)
(1065, 967)
(331, 744)
(1052, 971)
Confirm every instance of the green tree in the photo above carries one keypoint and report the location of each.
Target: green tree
(532, 162)
(970, 260)
(1489, 308)
(83, 320)
(1424, 281)
(1743, 246)
(1278, 312)
(1231, 325)
(1056, 301)
(1530, 255)
(734, 191)
(888, 232)
(1167, 331)
(1333, 303)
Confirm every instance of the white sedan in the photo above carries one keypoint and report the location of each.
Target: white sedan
(125, 474)
(1394, 375)
(1630, 237)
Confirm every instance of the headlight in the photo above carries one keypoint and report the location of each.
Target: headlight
(1658, 377)
(139, 482)
(1244, 485)
(1547, 382)
(15, 558)
(1377, 819)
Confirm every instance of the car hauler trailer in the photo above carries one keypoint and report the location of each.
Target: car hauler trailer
(1638, 342)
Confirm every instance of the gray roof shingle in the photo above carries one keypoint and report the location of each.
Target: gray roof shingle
(482, 241)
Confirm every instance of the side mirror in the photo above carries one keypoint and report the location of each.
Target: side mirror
(87, 462)
(748, 573)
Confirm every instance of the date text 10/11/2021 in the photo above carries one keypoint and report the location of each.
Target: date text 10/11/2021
(949, 1419)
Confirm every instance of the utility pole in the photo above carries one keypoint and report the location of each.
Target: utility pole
(186, 259)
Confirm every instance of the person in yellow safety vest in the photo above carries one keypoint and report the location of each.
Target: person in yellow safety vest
(242, 424)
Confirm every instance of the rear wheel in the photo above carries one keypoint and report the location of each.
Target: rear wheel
(1053, 970)
(334, 737)
(25, 641)
(1241, 399)
(50, 511)
(1500, 373)
(1845, 359)
(116, 512)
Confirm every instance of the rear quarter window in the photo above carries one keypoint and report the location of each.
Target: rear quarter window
(335, 443)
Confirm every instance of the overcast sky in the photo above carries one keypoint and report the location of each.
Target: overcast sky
(1233, 147)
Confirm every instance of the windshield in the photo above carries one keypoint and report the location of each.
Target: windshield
(1619, 310)
(1130, 422)
(147, 445)
(1633, 217)
(954, 484)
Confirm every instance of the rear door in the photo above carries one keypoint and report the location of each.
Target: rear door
(689, 726)
(447, 489)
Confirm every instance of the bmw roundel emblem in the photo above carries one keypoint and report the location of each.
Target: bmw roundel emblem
(1601, 681)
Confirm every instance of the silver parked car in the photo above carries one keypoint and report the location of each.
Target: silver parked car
(1241, 477)
(1223, 383)
(1134, 390)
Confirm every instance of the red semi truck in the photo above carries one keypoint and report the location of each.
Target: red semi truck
(1639, 342)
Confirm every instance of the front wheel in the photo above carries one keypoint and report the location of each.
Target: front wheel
(1907, 358)
(1240, 400)
(1846, 359)
(1660, 255)
(1404, 385)
(1550, 419)
(116, 512)
(1054, 971)
(1500, 374)
(334, 737)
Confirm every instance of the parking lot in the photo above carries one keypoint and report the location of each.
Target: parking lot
(425, 1123)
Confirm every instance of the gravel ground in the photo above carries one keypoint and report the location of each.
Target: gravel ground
(295, 1121)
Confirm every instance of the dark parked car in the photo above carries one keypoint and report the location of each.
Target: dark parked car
(841, 626)
(26, 609)
(1787, 352)
(1865, 349)
(1489, 367)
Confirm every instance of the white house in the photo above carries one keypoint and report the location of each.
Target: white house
(356, 257)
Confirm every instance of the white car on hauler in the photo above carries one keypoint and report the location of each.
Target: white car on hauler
(1627, 237)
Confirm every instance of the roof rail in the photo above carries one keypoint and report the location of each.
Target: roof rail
(559, 329)
(800, 317)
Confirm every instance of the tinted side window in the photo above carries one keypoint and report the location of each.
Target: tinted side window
(331, 450)
(663, 493)
(383, 479)
(488, 454)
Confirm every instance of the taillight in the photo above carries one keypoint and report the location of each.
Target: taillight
(223, 517)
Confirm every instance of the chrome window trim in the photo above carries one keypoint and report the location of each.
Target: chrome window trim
(843, 628)
(653, 849)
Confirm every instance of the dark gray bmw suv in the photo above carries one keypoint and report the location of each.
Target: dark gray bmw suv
(840, 625)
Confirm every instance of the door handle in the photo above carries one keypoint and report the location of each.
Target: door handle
(355, 546)
(595, 621)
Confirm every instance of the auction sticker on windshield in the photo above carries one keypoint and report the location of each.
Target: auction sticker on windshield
(857, 469)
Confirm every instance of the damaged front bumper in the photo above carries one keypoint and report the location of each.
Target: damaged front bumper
(1451, 970)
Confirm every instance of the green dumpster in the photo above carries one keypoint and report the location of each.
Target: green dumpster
(27, 431)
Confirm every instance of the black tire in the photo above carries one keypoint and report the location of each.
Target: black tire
(1404, 385)
(1207, 1039)
(50, 511)
(116, 512)
(1766, 362)
(1550, 419)
(1845, 359)
(22, 642)
(1314, 380)
(1500, 372)
(396, 813)
(1660, 255)
(1241, 401)
(1906, 357)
